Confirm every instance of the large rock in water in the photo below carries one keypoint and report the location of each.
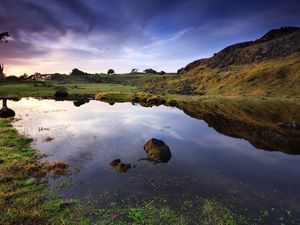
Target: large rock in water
(61, 93)
(157, 150)
(7, 112)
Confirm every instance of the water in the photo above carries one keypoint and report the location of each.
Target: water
(204, 161)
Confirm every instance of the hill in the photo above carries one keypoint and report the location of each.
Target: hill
(269, 65)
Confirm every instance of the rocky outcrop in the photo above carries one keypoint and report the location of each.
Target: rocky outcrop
(276, 43)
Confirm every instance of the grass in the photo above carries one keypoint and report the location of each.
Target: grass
(275, 77)
(23, 198)
(23, 194)
(27, 89)
(159, 212)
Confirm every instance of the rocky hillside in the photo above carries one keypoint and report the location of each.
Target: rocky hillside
(276, 43)
(268, 66)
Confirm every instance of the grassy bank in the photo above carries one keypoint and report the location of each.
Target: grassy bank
(24, 198)
(23, 185)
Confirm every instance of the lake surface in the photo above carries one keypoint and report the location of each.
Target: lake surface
(230, 153)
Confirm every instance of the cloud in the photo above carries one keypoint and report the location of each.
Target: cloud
(129, 33)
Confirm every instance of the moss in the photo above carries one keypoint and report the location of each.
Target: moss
(112, 97)
(171, 102)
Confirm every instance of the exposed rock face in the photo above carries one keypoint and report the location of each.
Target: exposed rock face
(61, 93)
(157, 150)
(276, 43)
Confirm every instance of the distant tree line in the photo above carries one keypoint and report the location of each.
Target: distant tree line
(152, 71)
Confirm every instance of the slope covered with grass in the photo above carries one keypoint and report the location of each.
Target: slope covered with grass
(269, 66)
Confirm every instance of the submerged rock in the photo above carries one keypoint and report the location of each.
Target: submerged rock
(119, 166)
(61, 93)
(157, 150)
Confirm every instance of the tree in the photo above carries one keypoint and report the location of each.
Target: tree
(134, 70)
(1, 71)
(162, 72)
(150, 71)
(3, 38)
(78, 72)
(110, 72)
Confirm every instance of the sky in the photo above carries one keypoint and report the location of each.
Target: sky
(49, 36)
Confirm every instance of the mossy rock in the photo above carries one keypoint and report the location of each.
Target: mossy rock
(157, 150)
(119, 166)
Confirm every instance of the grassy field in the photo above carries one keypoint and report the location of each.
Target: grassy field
(27, 89)
(119, 93)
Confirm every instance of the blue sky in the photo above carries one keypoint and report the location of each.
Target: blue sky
(58, 35)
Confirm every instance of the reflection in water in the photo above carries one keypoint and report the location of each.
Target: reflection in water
(272, 127)
(81, 102)
(6, 112)
(204, 162)
(157, 152)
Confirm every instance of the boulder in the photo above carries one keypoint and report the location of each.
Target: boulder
(157, 151)
(61, 93)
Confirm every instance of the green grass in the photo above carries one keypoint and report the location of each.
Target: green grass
(23, 199)
(27, 89)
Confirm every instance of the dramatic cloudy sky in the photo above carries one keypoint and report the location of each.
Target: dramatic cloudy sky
(95, 35)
